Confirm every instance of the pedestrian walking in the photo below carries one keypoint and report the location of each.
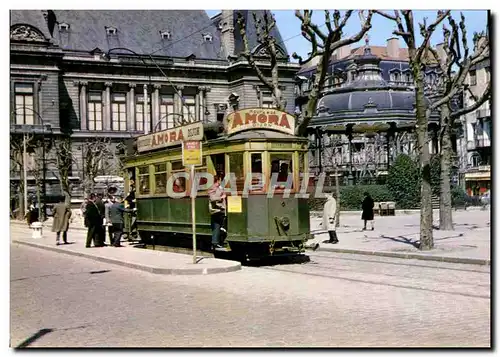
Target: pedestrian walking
(116, 212)
(94, 222)
(62, 215)
(367, 207)
(330, 218)
(217, 209)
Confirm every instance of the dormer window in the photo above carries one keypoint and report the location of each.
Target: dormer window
(111, 30)
(207, 37)
(63, 26)
(221, 25)
(165, 35)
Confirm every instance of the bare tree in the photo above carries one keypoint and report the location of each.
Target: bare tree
(417, 61)
(263, 27)
(455, 54)
(18, 160)
(63, 162)
(323, 45)
(96, 154)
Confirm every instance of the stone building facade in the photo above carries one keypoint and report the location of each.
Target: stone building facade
(474, 145)
(87, 73)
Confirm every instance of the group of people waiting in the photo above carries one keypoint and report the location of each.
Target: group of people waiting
(100, 213)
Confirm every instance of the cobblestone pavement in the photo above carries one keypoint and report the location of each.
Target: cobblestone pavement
(335, 300)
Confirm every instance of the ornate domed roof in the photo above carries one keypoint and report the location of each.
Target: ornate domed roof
(368, 98)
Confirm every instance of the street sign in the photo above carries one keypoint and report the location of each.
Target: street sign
(191, 153)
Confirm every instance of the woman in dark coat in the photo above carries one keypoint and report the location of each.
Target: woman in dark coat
(367, 207)
(62, 215)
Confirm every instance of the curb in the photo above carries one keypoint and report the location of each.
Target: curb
(409, 256)
(165, 271)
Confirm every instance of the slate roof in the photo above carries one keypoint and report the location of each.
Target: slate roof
(138, 30)
(251, 33)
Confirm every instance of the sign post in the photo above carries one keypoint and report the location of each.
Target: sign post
(192, 156)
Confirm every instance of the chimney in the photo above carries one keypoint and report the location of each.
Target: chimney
(393, 47)
(227, 31)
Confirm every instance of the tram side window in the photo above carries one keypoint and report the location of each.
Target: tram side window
(200, 169)
(160, 178)
(282, 165)
(144, 188)
(256, 165)
(236, 168)
(180, 182)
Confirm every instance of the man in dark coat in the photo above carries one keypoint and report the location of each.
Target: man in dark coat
(116, 216)
(94, 221)
(102, 210)
(62, 214)
(367, 207)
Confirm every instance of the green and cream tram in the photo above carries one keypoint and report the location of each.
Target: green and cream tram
(252, 141)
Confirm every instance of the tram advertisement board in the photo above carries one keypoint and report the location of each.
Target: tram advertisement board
(170, 137)
(191, 153)
(260, 118)
(234, 204)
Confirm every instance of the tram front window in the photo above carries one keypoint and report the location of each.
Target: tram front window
(281, 166)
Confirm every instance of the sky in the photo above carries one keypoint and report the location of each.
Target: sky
(381, 30)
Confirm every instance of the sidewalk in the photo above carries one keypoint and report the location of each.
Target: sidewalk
(396, 236)
(157, 262)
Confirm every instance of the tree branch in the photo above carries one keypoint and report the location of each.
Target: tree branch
(427, 32)
(484, 97)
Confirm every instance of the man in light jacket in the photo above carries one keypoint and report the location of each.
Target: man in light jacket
(62, 215)
(330, 218)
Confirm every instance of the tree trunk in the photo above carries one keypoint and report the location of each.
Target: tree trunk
(37, 183)
(426, 239)
(337, 194)
(22, 209)
(445, 211)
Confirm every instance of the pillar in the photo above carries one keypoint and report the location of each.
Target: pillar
(107, 106)
(178, 107)
(155, 105)
(82, 100)
(131, 107)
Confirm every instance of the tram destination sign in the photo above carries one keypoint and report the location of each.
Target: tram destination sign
(170, 137)
(260, 118)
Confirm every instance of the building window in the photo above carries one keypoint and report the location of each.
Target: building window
(165, 35)
(63, 27)
(111, 30)
(267, 100)
(95, 111)
(188, 108)
(207, 37)
(119, 111)
(140, 115)
(281, 164)
(24, 103)
(473, 79)
(167, 117)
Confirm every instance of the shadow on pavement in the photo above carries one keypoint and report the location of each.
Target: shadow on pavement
(35, 337)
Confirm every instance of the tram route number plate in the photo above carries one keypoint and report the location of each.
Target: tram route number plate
(191, 153)
(234, 204)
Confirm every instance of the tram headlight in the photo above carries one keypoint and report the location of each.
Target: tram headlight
(285, 223)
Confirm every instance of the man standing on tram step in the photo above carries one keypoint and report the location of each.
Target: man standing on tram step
(94, 221)
(116, 217)
(62, 215)
(330, 218)
(102, 210)
(217, 209)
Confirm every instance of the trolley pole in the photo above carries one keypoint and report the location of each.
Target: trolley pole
(193, 216)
